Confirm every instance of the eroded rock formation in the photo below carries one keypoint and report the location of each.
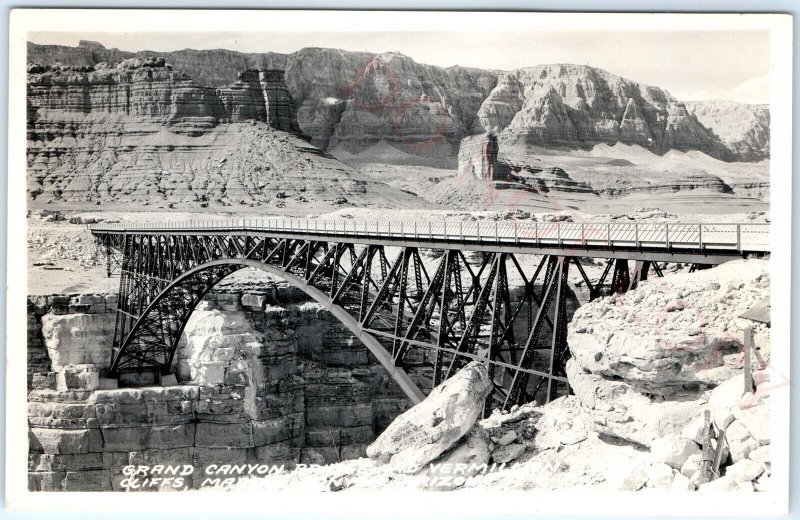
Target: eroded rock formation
(352, 100)
(743, 128)
(643, 363)
(253, 385)
(479, 156)
(141, 132)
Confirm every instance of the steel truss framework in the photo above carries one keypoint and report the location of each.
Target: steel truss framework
(430, 317)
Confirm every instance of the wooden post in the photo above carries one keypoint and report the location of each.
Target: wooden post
(705, 468)
(748, 366)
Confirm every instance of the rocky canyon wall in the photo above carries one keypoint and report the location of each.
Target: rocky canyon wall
(152, 89)
(578, 105)
(744, 129)
(262, 377)
(351, 101)
(143, 133)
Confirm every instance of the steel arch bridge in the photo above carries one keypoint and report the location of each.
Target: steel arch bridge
(433, 316)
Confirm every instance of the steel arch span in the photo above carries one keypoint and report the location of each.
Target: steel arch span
(177, 300)
(437, 304)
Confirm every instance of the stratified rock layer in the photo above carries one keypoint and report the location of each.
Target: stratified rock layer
(263, 377)
(150, 88)
(350, 101)
(143, 133)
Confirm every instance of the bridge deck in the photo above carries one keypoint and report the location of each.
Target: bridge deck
(432, 318)
(679, 242)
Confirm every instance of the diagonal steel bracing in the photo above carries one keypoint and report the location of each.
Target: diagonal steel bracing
(427, 312)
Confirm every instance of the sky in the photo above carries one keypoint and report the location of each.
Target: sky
(691, 65)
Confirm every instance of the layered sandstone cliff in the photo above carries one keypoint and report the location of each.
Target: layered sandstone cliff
(263, 377)
(579, 106)
(142, 132)
(350, 101)
(743, 128)
(152, 89)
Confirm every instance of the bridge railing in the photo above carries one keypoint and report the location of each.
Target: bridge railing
(665, 235)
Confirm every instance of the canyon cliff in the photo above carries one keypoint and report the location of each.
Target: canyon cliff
(143, 132)
(352, 102)
(580, 106)
(744, 129)
(262, 376)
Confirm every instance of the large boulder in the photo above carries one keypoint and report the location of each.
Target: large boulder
(672, 337)
(673, 450)
(78, 339)
(644, 363)
(617, 409)
(461, 462)
(428, 429)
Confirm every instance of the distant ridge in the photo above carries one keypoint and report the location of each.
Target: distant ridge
(354, 100)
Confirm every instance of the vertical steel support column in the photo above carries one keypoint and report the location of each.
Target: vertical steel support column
(494, 321)
(640, 270)
(401, 300)
(470, 333)
(519, 380)
(622, 277)
(558, 345)
(450, 261)
(366, 280)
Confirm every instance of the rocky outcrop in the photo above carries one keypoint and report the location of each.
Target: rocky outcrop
(479, 154)
(151, 89)
(260, 96)
(579, 106)
(254, 385)
(743, 128)
(66, 330)
(350, 101)
(431, 427)
(643, 363)
(141, 132)
(691, 181)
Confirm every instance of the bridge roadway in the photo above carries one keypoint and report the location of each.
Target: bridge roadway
(700, 243)
(421, 326)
